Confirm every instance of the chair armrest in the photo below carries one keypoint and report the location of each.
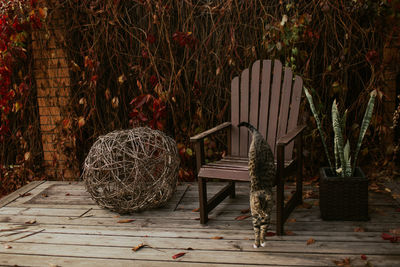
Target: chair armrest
(204, 134)
(290, 136)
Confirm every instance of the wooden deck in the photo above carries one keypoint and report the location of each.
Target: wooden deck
(57, 224)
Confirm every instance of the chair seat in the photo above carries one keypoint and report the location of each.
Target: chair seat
(230, 168)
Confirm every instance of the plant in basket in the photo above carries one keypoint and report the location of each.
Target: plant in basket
(343, 188)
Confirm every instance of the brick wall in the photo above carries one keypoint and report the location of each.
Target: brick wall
(53, 91)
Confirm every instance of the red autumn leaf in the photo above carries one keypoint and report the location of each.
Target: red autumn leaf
(196, 210)
(391, 238)
(310, 241)
(126, 221)
(217, 237)
(67, 194)
(271, 234)
(242, 217)
(245, 210)
(178, 255)
(363, 257)
(359, 229)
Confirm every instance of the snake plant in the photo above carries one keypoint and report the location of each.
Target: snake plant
(341, 149)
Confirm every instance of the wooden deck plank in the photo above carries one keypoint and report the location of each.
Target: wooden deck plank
(99, 239)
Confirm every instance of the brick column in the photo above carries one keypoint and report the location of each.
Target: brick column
(53, 91)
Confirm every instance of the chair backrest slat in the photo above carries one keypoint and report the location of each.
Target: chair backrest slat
(264, 97)
(294, 111)
(235, 101)
(244, 112)
(271, 104)
(286, 92)
(274, 107)
(254, 93)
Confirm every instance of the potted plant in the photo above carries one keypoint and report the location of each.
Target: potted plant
(343, 190)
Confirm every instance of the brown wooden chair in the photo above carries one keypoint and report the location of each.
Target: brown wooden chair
(268, 97)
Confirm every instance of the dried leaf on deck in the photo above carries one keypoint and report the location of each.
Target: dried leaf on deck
(217, 237)
(310, 241)
(288, 232)
(391, 238)
(25, 194)
(363, 257)
(242, 217)
(67, 194)
(196, 210)
(245, 210)
(344, 262)
(6, 246)
(291, 220)
(126, 221)
(33, 221)
(138, 247)
(359, 229)
(271, 234)
(189, 248)
(178, 255)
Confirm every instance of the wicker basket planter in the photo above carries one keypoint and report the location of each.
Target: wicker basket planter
(343, 198)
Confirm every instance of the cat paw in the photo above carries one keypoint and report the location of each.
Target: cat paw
(255, 246)
(264, 244)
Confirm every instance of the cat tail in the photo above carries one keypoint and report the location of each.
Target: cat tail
(248, 125)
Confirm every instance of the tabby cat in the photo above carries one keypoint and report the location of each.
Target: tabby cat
(262, 178)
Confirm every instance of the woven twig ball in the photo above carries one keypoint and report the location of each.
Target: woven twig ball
(132, 170)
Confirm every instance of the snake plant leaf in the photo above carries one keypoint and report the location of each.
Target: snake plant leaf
(364, 125)
(347, 159)
(338, 135)
(318, 122)
(344, 119)
(336, 150)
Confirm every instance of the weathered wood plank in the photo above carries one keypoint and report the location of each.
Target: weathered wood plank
(16, 194)
(244, 112)
(235, 100)
(260, 256)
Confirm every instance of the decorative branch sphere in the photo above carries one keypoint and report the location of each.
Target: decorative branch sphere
(132, 170)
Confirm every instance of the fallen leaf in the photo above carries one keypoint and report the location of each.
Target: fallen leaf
(217, 237)
(396, 196)
(6, 246)
(245, 210)
(271, 234)
(178, 255)
(344, 262)
(291, 220)
(391, 238)
(44, 195)
(363, 257)
(289, 233)
(242, 217)
(126, 221)
(25, 194)
(189, 248)
(31, 221)
(359, 229)
(67, 194)
(388, 190)
(310, 241)
(138, 247)
(196, 210)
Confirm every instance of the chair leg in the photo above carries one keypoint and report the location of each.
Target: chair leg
(233, 193)
(203, 200)
(280, 191)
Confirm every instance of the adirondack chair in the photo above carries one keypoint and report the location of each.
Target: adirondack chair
(271, 103)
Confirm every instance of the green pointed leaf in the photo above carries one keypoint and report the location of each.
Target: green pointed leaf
(364, 125)
(338, 134)
(318, 122)
(347, 159)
